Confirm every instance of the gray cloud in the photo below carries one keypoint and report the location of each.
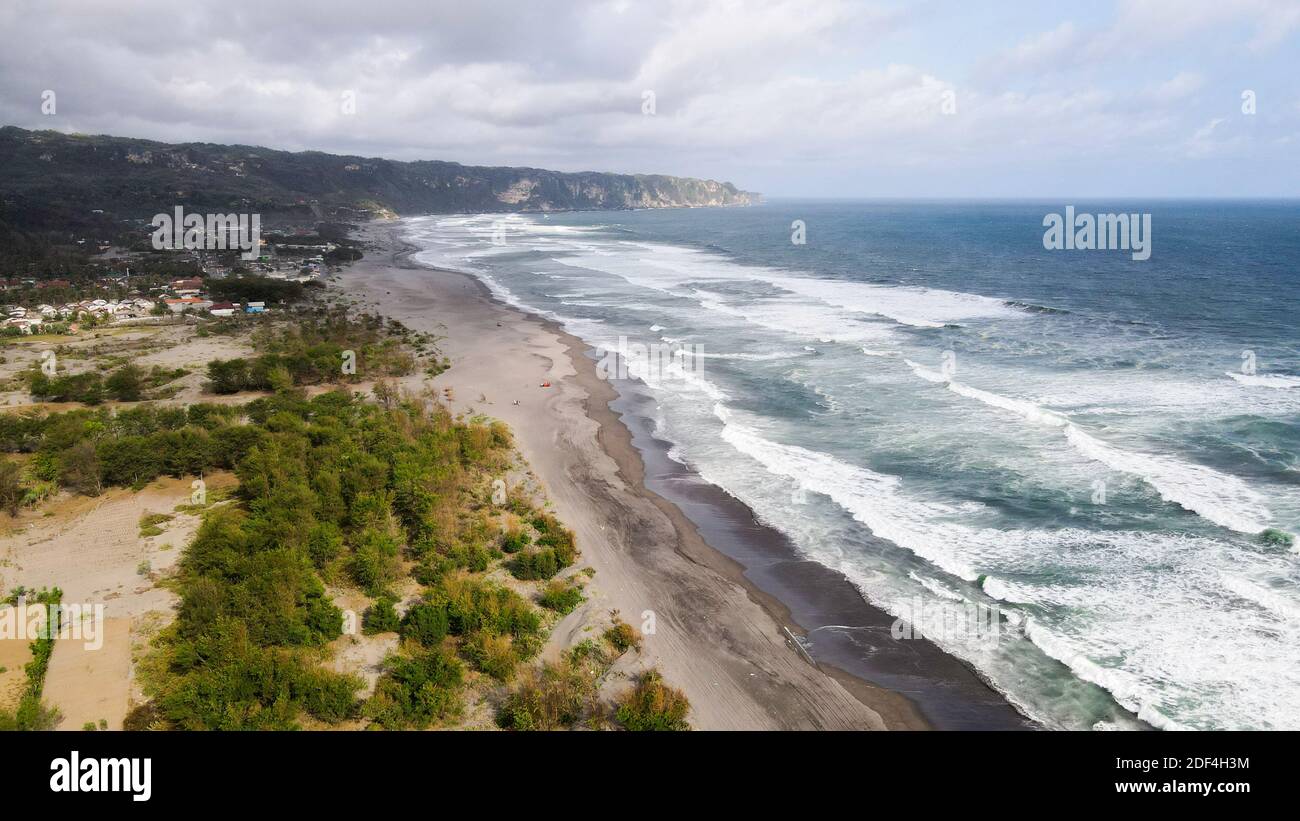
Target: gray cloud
(776, 95)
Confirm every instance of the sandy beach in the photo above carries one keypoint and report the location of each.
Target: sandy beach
(720, 630)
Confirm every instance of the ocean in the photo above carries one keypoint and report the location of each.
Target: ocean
(1055, 464)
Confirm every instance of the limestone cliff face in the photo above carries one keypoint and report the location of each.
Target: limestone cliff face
(138, 178)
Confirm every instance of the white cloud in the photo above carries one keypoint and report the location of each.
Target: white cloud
(744, 89)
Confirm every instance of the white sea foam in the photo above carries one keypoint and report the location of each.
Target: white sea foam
(796, 317)
(670, 269)
(1116, 639)
(755, 357)
(1006, 591)
(1271, 600)
(918, 307)
(936, 588)
(1219, 497)
(871, 498)
(1223, 499)
(1266, 380)
(1126, 688)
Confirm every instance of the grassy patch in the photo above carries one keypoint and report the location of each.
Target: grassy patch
(561, 597)
(149, 524)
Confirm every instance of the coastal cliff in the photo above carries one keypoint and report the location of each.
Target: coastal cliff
(46, 172)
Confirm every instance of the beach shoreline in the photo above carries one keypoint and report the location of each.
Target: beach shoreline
(732, 601)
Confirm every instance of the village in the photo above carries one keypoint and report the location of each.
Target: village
(178, 297)
(140, 299)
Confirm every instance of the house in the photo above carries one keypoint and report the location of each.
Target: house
(187, 287)
(193, 303)
(255, 308)
(23, 324)
(223, 308)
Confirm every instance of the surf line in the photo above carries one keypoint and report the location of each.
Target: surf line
(1153, 470)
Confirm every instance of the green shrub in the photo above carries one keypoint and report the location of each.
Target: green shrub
(223, 680)
(126, 384)
(82, 387)
(653, 705)
(324, 543)
(474, 605)
(426, 623)
(149, 523)
(12, 491)
(622, 636)
(417, 692)
(515, 540)
(329, 696)
(535, 565)
(555, 697)
(380, 617)
(493, 654)
(561, 597)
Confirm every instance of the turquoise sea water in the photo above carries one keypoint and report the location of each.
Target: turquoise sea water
(926, 399)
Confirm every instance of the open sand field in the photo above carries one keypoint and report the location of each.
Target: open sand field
(93, 550)
(169, 346)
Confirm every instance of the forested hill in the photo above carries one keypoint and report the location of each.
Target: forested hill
(47, 177)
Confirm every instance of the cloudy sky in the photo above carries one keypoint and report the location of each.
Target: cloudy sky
(788, 97)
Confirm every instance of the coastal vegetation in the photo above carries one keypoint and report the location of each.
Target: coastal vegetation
(339, 494)
(344, 491)
(327, 346)
(128, 383)
(653, 705)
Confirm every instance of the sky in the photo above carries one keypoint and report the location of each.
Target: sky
(803, 98)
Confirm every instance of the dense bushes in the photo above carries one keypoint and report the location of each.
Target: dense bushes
(253, 288)
(80, 387)
(426, 623)
(553, 698)
(329, 348)
(417, 691)
(11, 486)
(129, 383)
(564, 693)
(87, 450)
(331, 487)
(381, 617)
(555, 551)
